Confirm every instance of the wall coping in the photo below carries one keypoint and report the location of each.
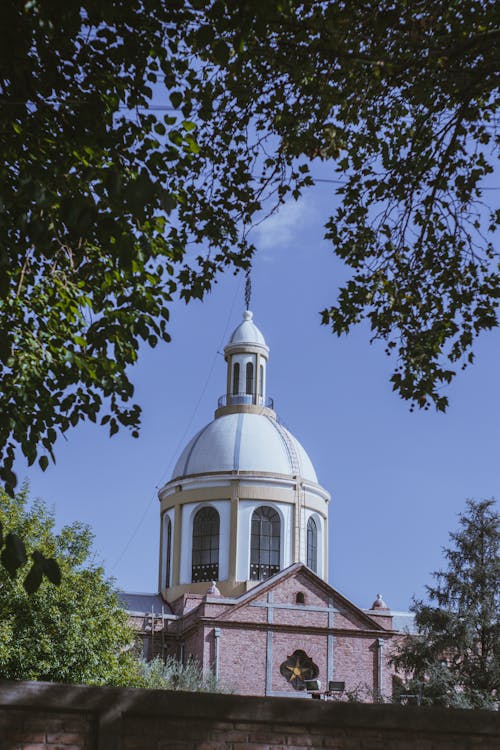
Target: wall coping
(101, 701)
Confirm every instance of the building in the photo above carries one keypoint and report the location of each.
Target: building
(244, 556)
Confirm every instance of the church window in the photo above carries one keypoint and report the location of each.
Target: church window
(264, 544)
(312, 544)
(261, 380)
(300, 598)
(205, 560)
(249, 377)
(236, 378)
(168, 549)
(298, 668)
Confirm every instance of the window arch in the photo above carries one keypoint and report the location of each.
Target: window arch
(312, 544)
(249, 372)
(236, 378)
(168, 548)
(264, 543)
(205, 557)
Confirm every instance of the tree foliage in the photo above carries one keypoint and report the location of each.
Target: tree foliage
(401, 98)
(455, 660)
(101, 198)
(75, 632)
(111, 208)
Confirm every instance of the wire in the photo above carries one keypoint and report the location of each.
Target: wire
(182, 439)
(343, 182)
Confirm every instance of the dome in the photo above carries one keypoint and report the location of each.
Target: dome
(247, 332)
(245, 442)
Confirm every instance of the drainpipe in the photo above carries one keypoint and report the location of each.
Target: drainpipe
(380, 643)
(216, 660)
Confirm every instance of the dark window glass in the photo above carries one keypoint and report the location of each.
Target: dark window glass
(205, 563)
(236, 378)
(249, 377)
(261, 380)
(264, 544)
(168, 542)
(312, 544)
(300, 598)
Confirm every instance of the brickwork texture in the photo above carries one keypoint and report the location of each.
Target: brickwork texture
(42, 716)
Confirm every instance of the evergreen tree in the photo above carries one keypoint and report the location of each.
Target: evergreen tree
(455, 660)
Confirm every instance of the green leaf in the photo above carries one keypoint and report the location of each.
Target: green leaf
(221, 52)
(176, 99)
(34, 578)
(44, 462)
(52, 570)
(13, 554)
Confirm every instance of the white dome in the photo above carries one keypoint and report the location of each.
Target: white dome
(247, 332)
(244, 442)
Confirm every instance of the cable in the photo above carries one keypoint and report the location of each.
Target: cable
(180, 443)
(343, 182)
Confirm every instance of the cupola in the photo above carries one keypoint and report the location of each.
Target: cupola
(246, 355)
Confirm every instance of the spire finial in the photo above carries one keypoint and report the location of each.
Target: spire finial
(248, 288)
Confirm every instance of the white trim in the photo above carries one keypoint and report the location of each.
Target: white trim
(223, 507)
(245, 512)
(321, 527)
(163, 569)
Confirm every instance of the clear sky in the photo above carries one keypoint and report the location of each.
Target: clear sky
(397, 479)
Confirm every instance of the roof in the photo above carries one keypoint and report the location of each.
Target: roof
(247, 332)
(245, 442)
(404, 622)
(143, 603)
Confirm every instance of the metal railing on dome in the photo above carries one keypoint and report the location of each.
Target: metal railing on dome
(237, 399)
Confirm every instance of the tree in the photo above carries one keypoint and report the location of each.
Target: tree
(400, 97)
(101, 198)
(110, 209)
(455, 659)
(75, 632)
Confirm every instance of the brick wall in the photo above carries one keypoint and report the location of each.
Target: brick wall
(42, 716)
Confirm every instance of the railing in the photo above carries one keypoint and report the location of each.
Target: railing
(237, 399)
(207, 572)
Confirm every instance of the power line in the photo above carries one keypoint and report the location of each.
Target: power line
(344, 182)
(182, 439)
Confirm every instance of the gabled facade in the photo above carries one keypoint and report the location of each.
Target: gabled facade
(272, 638)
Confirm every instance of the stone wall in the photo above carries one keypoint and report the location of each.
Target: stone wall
(42, 716)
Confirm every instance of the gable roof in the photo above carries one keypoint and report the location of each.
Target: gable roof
(291, 571)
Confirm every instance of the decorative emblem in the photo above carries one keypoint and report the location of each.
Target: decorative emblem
(297, 668)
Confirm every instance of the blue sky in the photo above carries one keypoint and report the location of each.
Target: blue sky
(397, 479)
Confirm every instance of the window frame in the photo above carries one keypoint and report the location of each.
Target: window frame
(265, 543)
(312, 544)
(205, 545)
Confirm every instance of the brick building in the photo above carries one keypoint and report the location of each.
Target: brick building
(244, 556)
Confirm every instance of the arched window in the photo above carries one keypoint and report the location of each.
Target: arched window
(167, 540)
(264, 544)
(312, 544)
(249, 377)
(261, 380)
(236, 378)
(205, 560)
(300, 598)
